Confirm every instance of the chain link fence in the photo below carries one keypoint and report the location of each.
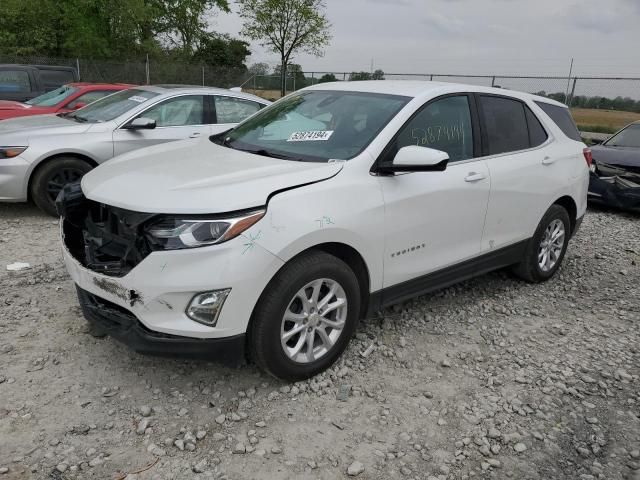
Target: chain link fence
(143, 71)
(588, 92)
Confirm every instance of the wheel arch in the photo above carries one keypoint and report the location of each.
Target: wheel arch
(569, 204)
(344, 252)
(51, 158)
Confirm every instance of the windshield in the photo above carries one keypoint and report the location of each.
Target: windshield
(316, 125)
(53, 97)
(629, 137)
(112, 106)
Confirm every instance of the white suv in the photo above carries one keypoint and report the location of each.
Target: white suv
(277, 236)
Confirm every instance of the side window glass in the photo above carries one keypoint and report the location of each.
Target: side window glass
(234, 110)
(442, 125)
(537, 134)
(89, 97)
(177, 112)
(14, 81)
(562, 118)
(505, 124)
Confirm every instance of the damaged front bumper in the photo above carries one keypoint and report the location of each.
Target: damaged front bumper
(122, 325)
(615, 186)
(106, 256)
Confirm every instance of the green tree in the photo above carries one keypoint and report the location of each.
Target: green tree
(181, 23)
(355, 76)
(259, 69)
(286, 27)
(377, 75)
(222, 51)
(327, 77)
(99, 29)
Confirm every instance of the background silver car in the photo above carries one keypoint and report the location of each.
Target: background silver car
(39, 154)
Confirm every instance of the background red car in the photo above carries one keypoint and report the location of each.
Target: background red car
(63, 99)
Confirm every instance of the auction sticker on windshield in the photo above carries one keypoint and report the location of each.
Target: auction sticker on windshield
(138, 99)
(312, 136)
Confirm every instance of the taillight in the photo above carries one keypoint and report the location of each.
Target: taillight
(588, 156)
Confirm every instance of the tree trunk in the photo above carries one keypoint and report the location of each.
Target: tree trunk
(283, 78)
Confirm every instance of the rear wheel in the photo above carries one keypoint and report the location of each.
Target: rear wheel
(547, 247)
(49, 179)
(306, 317)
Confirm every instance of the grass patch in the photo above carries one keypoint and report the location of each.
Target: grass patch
(597, 128)
(612, 120)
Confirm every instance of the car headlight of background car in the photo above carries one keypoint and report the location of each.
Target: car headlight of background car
(10, 152)
(184, 231)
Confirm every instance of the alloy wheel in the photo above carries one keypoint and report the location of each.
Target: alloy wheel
(551, 245)
(313, 321)
(60, 179)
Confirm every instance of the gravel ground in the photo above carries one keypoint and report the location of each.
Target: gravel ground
(493, 378)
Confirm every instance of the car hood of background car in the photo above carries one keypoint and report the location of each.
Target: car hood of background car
(38, 125)
(622, 156)
(197, 176)
(16, 109)
(9, 105)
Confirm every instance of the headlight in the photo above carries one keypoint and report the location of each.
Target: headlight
(173, 233)
(10, 152)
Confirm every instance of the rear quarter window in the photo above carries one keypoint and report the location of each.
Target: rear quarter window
(561, 116)
(56, 77)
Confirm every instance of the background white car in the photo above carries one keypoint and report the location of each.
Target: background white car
(39, 154)
(279, 239)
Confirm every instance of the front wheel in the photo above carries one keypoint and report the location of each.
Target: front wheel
(305, 317)
(49, 179)
(547, 247)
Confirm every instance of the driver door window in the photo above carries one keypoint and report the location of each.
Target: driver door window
(442, 125)
(177, 112)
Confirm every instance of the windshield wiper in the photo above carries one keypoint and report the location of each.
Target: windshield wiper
(268, 153)
(79, 118)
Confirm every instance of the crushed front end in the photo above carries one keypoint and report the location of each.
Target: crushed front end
(153, 298)
(615, 185)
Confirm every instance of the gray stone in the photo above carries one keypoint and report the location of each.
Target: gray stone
(356, 468)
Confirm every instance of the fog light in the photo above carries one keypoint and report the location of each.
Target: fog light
(205, 307)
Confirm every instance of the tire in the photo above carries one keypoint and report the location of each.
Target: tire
(283, 294)
(95, 331)
(530, 269)
(50, 177)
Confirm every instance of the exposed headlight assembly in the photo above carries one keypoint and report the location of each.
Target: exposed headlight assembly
(177, 232)
(10, 152)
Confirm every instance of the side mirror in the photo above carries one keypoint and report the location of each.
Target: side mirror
(79, 105)
(141, 123)
(417, 159)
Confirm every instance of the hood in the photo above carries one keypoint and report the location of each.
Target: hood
(623, 156)
(38, 125)
(16, 109)
(196, 176)
(9, 105)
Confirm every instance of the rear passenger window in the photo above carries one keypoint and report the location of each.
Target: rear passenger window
(14, 81)
(443, 125)
(505, 124)
(234, 110)
(562, 118)
(537, 134)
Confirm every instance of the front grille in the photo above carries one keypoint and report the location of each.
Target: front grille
(103, 238)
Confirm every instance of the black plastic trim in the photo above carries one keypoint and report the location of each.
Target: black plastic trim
(125, 327)
(446, 277)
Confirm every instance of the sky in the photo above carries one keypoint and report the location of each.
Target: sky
(526, 37)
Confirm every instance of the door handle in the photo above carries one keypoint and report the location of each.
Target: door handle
(548, 160)
(195, 135)
(474, 177)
